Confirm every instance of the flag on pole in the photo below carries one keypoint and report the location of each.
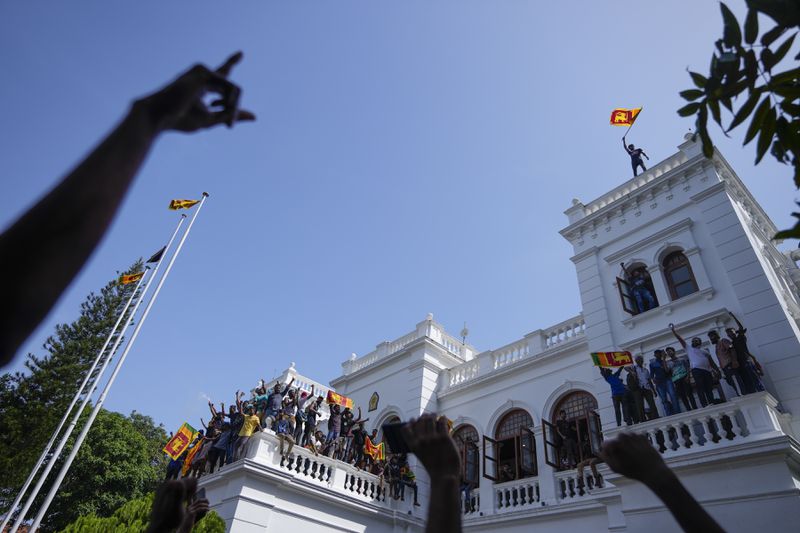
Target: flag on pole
(156, 257)
(612, 359)
(182, 204)
(131, 278)
(624, 117)
(180, 441)
(338, 399)
(376, 451)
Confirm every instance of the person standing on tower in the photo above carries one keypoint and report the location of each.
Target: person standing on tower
(636, 156)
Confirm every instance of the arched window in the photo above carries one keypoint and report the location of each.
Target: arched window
(466, 438)
(636, 290)
(574, 436)
(679, 276)
(512, 453)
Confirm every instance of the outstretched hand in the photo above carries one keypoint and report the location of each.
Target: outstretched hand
(633, 456)
(180, 105)
(429, 439)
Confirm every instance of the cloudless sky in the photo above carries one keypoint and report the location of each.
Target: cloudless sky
(409, 157)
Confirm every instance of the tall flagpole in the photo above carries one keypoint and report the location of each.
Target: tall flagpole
(63, 472)
(96, 383)
(75, 399)
(634, 121)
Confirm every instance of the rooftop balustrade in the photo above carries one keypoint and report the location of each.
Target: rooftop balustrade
(538, 343)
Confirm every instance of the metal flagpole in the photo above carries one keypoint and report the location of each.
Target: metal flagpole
(96, 383)
(63, 472)
(75, 399)
(634, 121)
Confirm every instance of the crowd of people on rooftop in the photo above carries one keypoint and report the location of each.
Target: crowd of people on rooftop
(293, 416)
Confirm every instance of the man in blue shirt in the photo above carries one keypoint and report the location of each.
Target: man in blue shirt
(663, 382)
(618, 391)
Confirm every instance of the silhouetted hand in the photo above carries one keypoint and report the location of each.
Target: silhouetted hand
(180, 105)
(429, 439)
(170, 510)
(633, 456)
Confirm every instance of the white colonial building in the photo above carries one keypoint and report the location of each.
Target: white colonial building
(705, 243)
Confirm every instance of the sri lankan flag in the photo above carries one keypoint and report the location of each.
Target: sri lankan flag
(338, 399)
(612, 359)
(182, 204)
(187, 463)
(624, 117)
(376, 451)
(180, 441)
(131, 278)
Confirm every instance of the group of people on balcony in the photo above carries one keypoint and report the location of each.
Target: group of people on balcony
(675, 380)
(293, 415)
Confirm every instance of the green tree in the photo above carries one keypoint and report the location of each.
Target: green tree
(744, 64)
(121, 458)
(133, 516)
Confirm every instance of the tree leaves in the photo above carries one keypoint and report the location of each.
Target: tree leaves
(745, 110)
(772, 103)
(751, 26)
(758, 118)
(692, 94)
(731, 33)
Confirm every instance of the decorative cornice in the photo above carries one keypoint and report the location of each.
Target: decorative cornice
(657, 236)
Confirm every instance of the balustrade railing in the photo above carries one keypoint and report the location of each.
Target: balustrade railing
(565, 331)
(328, 472)
(516, 495)
(740, 419)
(576, 484)
(532, 345)
(471, 505)
(639, 181)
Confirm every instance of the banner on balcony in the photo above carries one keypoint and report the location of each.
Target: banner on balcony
(338, 399)
(612, 359)
(180, 441)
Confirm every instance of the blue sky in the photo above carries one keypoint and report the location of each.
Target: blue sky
(409, 157)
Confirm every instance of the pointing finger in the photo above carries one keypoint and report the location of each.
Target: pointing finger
(229, 63)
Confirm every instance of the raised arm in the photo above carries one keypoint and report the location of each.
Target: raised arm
(211, 408)
(680, 339)
(239, 396)
(429, 439)
(287, 387)
(739, 325)
(67, 224)
(619, 371)
(633, 456)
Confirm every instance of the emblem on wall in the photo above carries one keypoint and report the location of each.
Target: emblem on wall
(373, 401)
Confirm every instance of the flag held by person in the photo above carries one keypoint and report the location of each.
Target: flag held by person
(180, 441)
(156, 257)
(187, 463)
(624, 117)
(338, 399)
(174, 205)
(130, 278)
(376, 451)
(612, 359)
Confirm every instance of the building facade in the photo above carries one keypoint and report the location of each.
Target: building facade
(701, 245)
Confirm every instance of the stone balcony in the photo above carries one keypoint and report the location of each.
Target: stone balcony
(265, 488)
(740, 421)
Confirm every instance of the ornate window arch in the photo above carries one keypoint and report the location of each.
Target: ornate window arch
(511, 454)
(678, 274)
(581, 423)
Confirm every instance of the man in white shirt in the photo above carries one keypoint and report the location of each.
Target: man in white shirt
(647, 390)
(702, 366)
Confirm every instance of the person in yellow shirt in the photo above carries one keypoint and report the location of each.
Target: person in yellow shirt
(250, 425)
